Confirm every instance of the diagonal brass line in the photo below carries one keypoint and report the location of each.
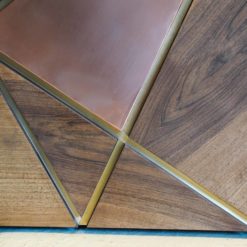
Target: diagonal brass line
(135, 110)
(156, 66)
(102, 183)
(181, 177)
(61, 97)
(40, 153)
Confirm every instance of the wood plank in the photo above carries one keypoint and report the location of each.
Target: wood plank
(99, 55)
(139, 195)
(77, 149)
(195, 115)
(27, 196)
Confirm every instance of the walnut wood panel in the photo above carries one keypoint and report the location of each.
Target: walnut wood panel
(27, 196)
(195, 115)
(139, 195)
(77, 149)
(97, 52)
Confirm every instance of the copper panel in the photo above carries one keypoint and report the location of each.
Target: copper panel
(96, 52)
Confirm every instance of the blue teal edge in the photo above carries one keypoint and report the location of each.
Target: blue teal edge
(172, 233)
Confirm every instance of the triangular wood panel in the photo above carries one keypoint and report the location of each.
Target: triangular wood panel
(27, 195)
(196, 113)
(77, 149)
(140, 195)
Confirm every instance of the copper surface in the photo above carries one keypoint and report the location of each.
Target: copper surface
(96, 52)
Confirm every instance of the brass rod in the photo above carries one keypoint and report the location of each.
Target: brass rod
(102, 183)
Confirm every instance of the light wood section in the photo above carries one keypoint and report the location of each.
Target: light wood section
(140, 195)
(228, 149)
(27, 196)
(195, 115)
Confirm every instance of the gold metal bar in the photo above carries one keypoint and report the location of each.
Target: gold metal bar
(66, 100)
(102, 183)
(40, 153)
(4, 3)
(156, 66)
(231, 210)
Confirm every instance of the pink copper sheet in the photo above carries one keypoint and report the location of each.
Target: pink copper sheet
(98, 52)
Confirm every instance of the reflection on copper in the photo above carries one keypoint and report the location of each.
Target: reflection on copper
(96, 52)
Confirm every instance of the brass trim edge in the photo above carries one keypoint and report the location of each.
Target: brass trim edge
(61, 97)
(187, 181)
(102, 183)
(40, 153)
(4, 3)
(156, 66)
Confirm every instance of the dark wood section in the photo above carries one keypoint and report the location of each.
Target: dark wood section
(78, 150)
(97, 52)
(195, 116)
(27, 196)
(140, 195)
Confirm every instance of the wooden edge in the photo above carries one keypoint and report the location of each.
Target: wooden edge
(61, 97)
(156, 66)
(40, 153)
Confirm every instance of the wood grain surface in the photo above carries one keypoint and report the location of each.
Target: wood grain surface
(139, 195)
(195, 116)
(78, 150)
(27, 196)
